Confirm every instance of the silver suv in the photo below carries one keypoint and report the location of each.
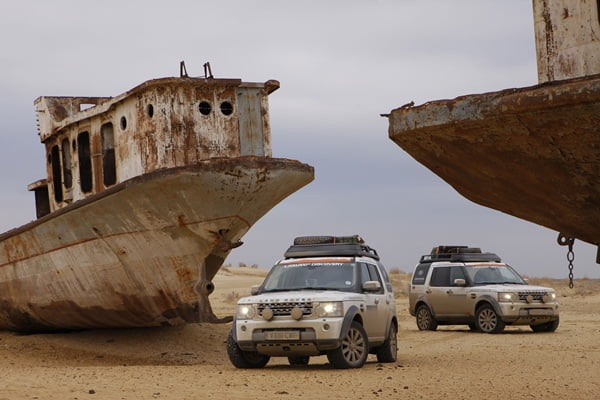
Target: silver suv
(456, 285)
(330, 295)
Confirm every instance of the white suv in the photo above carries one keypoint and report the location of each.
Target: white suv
(330, 295)
(457, 285)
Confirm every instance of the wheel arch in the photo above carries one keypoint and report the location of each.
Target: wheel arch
(489, 300)
(353, 314)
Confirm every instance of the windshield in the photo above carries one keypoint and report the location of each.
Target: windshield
(312, 275)
(490, 274)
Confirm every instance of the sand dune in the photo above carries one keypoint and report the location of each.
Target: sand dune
(190, 362)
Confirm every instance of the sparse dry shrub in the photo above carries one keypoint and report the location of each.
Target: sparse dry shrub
(254, 266)
(242, 265)
(232, 297)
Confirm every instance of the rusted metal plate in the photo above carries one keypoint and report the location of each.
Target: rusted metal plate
(533, 152)
(132, 255)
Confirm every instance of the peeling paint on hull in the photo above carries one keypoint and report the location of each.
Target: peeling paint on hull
(130, 256)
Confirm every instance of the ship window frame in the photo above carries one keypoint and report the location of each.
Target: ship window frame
(123, 123)
(226, 108)
(56, 173)
(66, 164)
(204, 107)
(109, 165)
(84, 156)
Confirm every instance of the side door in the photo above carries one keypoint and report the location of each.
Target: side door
(375, 312)
(446, 298)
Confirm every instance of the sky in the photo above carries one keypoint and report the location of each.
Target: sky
(340, 63)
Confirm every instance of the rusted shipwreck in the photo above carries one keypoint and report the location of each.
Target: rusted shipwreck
(146, 195)
(532, 152)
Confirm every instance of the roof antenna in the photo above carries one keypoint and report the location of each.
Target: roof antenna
(182, 70)
(207, 70)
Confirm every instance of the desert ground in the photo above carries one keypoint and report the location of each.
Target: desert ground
(190, 362)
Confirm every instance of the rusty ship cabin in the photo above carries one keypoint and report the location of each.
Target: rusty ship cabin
(94, 143)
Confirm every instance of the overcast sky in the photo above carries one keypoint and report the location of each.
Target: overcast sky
(340, 63)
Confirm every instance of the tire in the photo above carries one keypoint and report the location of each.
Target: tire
(487, 320)
(425, 320)
(244, 359)
(547, 327)
(353, 351)
(299, 360)
(388, 351)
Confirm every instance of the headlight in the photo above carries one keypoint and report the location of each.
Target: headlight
(508, 297)
(245, 311)
(331, 309)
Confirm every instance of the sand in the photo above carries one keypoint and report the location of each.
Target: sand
(190, 362)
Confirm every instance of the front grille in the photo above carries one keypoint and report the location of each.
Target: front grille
(286, 308)
(536, 295)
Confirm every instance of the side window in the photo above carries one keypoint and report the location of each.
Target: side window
(374, 275)
(85, 162)
(56, 176)
(386, 278)
(364, 273)
(108, 155)
(440, 276)
(456, 272)
(420, 274)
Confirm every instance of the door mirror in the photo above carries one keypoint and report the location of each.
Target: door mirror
(371, 286)
(460, 282)
(254, 290)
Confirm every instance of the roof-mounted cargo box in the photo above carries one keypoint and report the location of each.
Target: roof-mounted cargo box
(318, 246)
(459, 254)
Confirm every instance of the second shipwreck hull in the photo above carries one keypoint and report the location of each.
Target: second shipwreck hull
(532, 152)
(146, 194)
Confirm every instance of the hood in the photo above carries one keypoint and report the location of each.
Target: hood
(300, 296)
(511, 287)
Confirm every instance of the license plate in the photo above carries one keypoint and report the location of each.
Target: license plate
(540, 312)
(282, 335)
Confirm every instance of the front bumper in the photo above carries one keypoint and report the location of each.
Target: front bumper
(528, 313)
(314, 336)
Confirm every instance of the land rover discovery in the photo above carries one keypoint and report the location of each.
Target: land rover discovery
(457, 285)
(328, 296)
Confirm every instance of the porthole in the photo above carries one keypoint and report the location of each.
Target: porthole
(226, 108)
(150, 110)
(123, 123)
(204, 107)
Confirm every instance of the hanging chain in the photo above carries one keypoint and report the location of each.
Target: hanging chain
(568, 241)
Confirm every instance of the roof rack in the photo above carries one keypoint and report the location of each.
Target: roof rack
(458, 253)
(317, 246)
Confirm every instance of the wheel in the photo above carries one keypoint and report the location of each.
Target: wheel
(353, 351)
(300, 360)
(425, 321)
(388, 350)
(487, 320)
(244, 359)
(547, 327)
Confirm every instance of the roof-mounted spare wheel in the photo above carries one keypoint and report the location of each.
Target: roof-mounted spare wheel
(318, 246)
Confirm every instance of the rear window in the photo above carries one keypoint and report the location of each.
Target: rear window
(420, 274)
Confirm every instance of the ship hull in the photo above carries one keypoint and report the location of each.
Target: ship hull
(532, 152)
(134, 255)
